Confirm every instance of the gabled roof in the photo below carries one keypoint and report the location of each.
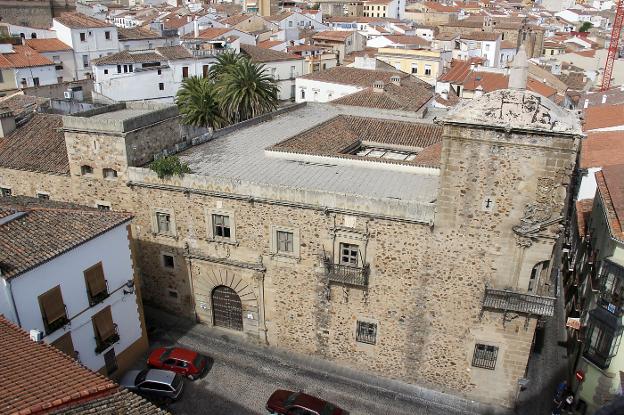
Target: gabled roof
(279, 17)
(334, 35)
(38, 145)
(127, 57)
(408, 40)
(40, 233)
(47, 45)
(268, 44)
(354, 76)
(411, 95)
(23, 57)
(77, 20)
(236, 19)
(37, 378)
(261, 55)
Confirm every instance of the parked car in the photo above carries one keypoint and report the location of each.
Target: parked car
(162, 385)
(182, 361)
(285, 402)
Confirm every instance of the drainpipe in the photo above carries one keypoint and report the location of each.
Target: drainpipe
(11, 300)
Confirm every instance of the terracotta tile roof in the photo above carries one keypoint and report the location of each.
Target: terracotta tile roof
(507, 44)
(460, 69)
(603, 148)
(38, 145)
(268, 44)
(174, 52)
(43, 233)
(540, 87)
(411, 95)
(304, 48)
(333, 35)
(279, 17)
(20, 104)
(587, 53)
(127, 57)
(359, 19)
(120, 403)
(354, 76)
(261, 55)
(80, 21)
(408, 40)
(350, 57)
(176, 22)
(435, 6)
(236, 19)
(341, 137)
(211, 33)
(482, 36)
(376, 2)
(603, 116)
(136, 33)
(489, 81)
(446, 36)
(23, 57)
(610, 181)
(583, 211)
(37, 378)
(47, 45)
(574, 80)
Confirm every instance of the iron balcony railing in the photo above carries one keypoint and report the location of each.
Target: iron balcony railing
(103, 344)
(208, 53)
(346, 274)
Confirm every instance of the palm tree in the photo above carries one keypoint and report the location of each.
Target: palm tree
(246, 91)
(225, 61)
(198, 105)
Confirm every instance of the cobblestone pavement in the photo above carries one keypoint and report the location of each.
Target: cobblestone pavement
(243, 376)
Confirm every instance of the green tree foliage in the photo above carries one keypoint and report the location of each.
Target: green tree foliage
(166, 167)
(236, 89)
(585, 27)
(198, 104)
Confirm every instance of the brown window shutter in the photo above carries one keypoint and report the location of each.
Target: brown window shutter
(104, 325)
(65, 344)
(52, 304)
(96, 283)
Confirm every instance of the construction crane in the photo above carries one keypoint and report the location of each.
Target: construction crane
(616, 31)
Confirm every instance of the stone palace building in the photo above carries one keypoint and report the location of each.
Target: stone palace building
(376, 239)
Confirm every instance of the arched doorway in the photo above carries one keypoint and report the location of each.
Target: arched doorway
(227, 309)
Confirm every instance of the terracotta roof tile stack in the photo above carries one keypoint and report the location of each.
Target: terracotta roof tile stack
(38, 145)
(39, 233)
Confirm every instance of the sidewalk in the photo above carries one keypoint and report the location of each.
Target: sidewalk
(227, 347)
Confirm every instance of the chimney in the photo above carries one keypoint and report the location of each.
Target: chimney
(378, 86)
(604, 99)
(519, 71)
(196, 28)
(586, 103)
(478, 92)
(7, 122)
(396, 80)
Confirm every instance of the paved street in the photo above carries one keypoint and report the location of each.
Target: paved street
(243, 377)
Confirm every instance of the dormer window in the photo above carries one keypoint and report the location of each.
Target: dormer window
(395, 79)
(378, 85)
(84, 170)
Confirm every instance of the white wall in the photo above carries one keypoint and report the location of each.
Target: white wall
(147, 44)
(285, 73)
(587, 189)
(46, 74)
(65, 58)
(318, 91)
(27, 32)
(113, 251)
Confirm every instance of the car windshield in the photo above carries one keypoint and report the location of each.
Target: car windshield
(291, 399)
(328, 409)
(176, 382)
(198, 361)
(141, 376)
(165, 355)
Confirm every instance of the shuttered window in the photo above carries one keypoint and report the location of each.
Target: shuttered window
(65, 345)
(96, 284)
(53, 309)
(105, 329)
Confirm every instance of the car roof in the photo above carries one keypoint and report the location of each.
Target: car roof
(182, 354)
(160, 376)
(310, 402)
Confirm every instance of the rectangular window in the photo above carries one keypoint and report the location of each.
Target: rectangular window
(109, 173)
(118, 68)
(110, 360)
(107, 35)
(221, 226)
(168, 261)
(163, 222)
(5, 192)
(205, 70)
(366, 332)
(131, 68)
(103, 207)
(97, 289)
(43, 196)
(161, 86)
(53, 309)
(105, 329)
(36, 81)
(349, 254)
(83, 37)
(105, 71)
(285, 242)
(484, 356)
(86, 170)
(85, 61)
(427, 70)
(185, 72)
(65, 344)
(414, 69)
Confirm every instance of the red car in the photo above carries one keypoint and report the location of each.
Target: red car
(284, 402)
(185, 362)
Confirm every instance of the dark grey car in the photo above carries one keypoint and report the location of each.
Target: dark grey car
(154, 383)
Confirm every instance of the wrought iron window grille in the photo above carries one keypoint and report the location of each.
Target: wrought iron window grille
(485, 356)
(366, 332)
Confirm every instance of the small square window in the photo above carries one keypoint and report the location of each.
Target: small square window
(107, 35)
(160, 72)
(5, 192)
(221, 226)
(105, 71)
(161, 86)
(349, 254)
(109, 173)
(285, 242)
(484, 356)
(43, 196)
(86, 170)
(366, 332)
(103, 207)
(163, 222)
(83, 37)
(168, 261)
